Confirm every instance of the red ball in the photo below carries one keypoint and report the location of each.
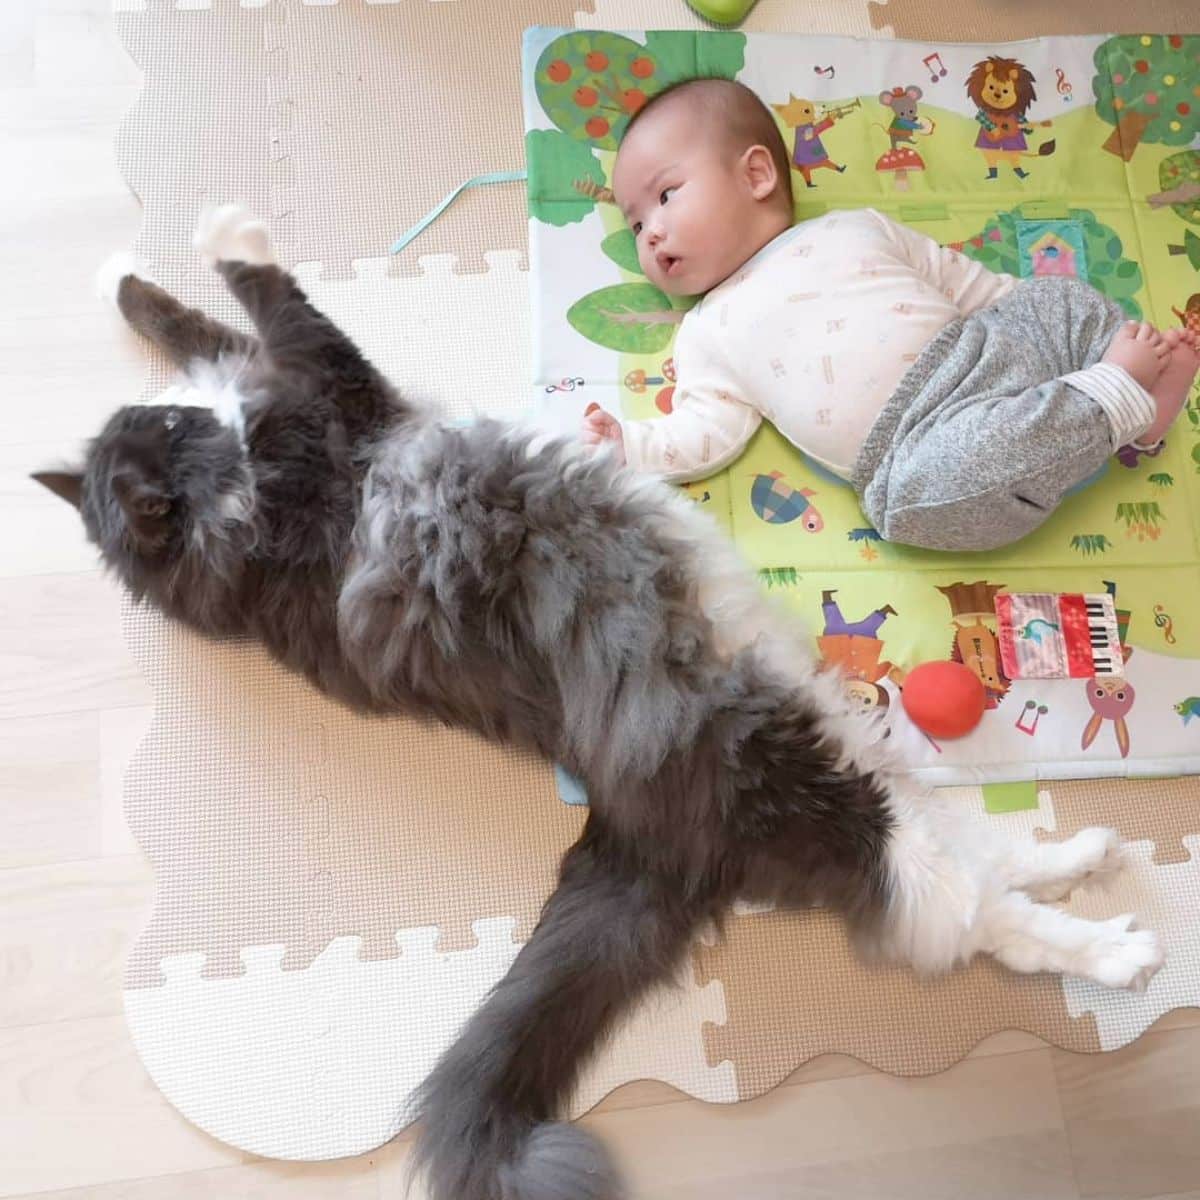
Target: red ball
(943, 699)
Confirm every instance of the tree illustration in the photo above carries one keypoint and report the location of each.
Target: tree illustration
(591, 83)
(1148, 88)
(1179, 178)
(1189, 247)
(565, 177)
(635, 318)
(997, 246)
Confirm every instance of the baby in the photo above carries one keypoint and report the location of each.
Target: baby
(962, 405)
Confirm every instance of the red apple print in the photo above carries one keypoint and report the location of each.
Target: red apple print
(1141, 66)
(663, 401)
(641, 68)
(596, 61)
(1183, 108)
(597, 127)
(1175, 41)
(585, 97)
(632, 99)
(559, 71)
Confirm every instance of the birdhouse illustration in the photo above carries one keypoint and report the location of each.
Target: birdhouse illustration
(1051, 254)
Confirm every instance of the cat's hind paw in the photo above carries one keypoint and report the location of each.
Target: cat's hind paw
(1124, 957)
(232, 233)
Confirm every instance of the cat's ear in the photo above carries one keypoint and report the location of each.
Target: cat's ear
(146, 504)
(66, 484)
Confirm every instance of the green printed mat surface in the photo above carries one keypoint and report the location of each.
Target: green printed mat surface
(1115, 201)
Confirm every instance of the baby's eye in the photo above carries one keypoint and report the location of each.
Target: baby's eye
(664, 195)
(636, 227)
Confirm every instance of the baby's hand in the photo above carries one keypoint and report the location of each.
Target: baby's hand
(600, 428)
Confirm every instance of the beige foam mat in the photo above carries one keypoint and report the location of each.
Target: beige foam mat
(335, 893)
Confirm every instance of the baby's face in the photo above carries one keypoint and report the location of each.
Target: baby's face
(684, 202)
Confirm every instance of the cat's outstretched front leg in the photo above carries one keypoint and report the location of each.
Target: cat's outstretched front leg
(294, 334)
(184, 334)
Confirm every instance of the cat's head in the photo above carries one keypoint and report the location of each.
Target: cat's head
(167, 496)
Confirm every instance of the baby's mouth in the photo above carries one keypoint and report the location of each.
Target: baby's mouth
(668, 263)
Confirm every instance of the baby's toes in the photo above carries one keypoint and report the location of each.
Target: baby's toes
(1172, 337)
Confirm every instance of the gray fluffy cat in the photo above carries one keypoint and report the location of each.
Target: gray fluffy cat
(538, 594)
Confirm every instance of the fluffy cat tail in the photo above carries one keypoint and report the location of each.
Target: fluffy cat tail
(487, 1109)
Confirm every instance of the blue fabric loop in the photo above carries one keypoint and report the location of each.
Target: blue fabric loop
(430, 217)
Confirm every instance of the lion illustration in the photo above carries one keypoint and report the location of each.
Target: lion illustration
(1002, 91)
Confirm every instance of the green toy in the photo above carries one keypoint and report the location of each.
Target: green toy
(722, 12)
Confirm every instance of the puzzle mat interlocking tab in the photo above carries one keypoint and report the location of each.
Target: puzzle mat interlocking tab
(335, 893)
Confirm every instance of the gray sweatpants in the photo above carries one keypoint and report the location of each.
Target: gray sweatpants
(982, 439)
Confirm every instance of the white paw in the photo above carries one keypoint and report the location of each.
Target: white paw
(232, 233)
(1124, 957)
(115, 268)
(1094, 854)
(1099, 852)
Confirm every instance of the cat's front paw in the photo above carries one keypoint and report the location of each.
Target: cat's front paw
(116, 268)
(232, 233)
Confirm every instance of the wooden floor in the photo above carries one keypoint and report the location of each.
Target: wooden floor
(78, 1115)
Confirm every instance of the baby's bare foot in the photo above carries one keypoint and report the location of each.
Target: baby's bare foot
(1170, 390)
(1139, 349)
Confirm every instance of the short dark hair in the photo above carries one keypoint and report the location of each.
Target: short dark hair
(737, 111)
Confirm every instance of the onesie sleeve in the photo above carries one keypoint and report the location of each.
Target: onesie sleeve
(709, 424)
(968, 284)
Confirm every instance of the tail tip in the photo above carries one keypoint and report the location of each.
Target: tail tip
(563, 1162)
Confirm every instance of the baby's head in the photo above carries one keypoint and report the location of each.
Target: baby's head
(703, 178)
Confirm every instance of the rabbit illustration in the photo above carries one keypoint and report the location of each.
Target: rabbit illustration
(1111, 699)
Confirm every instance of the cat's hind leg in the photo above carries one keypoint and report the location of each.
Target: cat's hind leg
(952, 895)
(1052, 870)
(1028, 937)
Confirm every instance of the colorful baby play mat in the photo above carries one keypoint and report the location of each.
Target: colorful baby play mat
(1092, 169)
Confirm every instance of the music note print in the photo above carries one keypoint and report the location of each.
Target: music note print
(1034, 709)
(1063, 86)
(1162, 620)
(935, 74)
(565, 385)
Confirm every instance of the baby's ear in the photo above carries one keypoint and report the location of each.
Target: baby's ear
(66, 484)
(760, 171)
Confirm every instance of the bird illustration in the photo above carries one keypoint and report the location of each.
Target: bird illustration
(1037, 629)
